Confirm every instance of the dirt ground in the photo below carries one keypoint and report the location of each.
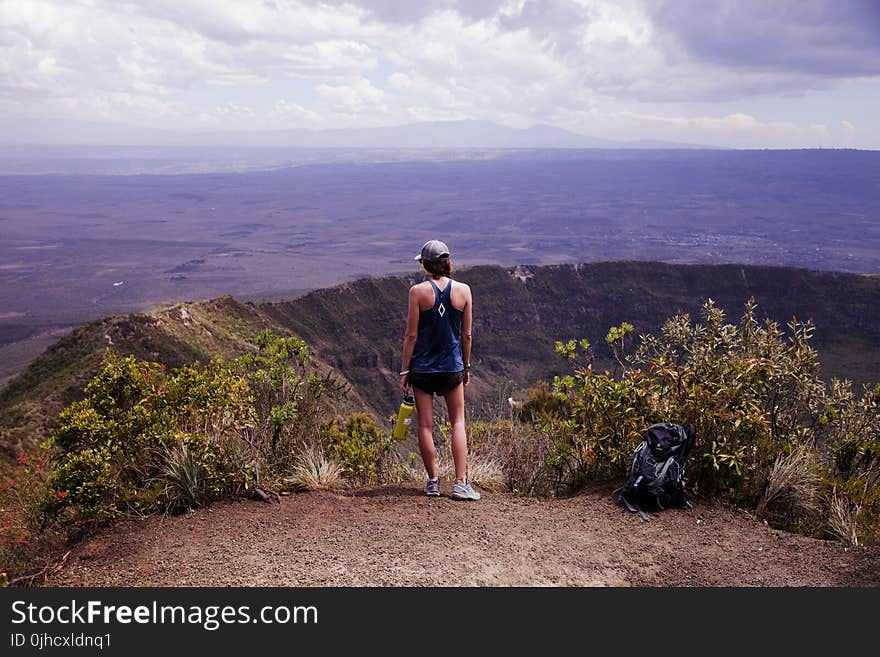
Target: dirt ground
(395, 536)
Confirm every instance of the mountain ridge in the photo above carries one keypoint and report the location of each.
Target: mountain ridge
(423, 135)
(356, 328)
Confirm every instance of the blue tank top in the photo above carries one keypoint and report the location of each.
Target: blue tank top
(438, 346)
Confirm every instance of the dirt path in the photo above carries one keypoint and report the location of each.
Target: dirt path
(394, 536)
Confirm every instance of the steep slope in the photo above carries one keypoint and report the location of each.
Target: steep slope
(356, 328)
(173, 334)
(520, 312)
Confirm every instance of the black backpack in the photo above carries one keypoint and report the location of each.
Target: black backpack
(655, 479)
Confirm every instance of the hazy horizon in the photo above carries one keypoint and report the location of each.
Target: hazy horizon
(417, 135)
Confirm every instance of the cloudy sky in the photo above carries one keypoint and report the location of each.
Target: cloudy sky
(741, 73)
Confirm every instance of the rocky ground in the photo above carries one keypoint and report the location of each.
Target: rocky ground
(395, 536)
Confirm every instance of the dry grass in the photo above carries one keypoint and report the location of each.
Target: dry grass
(313, 470)
(793, 479)
(398, 472)
(843, 518)
(521, 451)
(483, 471)
(486, 473)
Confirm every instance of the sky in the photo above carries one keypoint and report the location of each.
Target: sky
(739, 73)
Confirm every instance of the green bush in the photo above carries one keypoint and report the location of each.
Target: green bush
(291, 402)
(751, 390)
(851, 427)
(543, 404)
(113, 447)
(85, 479)
(144, 439)
(770, 432)
(360, 446)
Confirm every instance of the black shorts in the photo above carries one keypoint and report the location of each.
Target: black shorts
(436, 383)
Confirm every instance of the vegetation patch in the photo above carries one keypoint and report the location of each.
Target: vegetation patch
(145, 439)
(771, 434)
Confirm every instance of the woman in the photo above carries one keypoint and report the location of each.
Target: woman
(436, 360)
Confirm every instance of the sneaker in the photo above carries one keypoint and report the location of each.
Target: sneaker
(464, 491)
(432, 488)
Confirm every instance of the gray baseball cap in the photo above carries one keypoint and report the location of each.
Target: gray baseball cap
(433, 251)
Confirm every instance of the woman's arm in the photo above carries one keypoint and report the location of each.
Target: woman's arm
(467, 323)
(410, 336)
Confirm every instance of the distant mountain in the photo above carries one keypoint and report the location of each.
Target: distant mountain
(356, 329)
(438, 134)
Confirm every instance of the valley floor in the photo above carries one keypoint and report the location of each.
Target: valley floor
(394, 536)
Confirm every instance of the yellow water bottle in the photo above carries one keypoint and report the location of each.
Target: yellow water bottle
(404, 417)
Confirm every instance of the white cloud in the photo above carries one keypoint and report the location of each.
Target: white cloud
(112, 105)
(400, 81)
(575, 63)
(234, 110)
(359, 97)
(334, 58)
(287, 113)
(237, 79)
(65, 48)
(236, 22)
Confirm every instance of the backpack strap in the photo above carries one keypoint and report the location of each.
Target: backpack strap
(665, 468)
(633, 508)
(661, 477)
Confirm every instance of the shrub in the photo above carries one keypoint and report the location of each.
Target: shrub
(313, 470)
(144, 439)
(543, 404)
(85, 480)
(793, 482)
(505, 454)
(770, 433)
(359, 445)
(185, 480)
(750, 389)
(291, 402)
(594, 431)
(851, 427)
(843, 516)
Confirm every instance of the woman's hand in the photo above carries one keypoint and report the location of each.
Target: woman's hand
(404, 382)
(467, 377)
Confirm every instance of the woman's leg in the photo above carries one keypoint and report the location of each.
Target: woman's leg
(455, 408)
(425, 409)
